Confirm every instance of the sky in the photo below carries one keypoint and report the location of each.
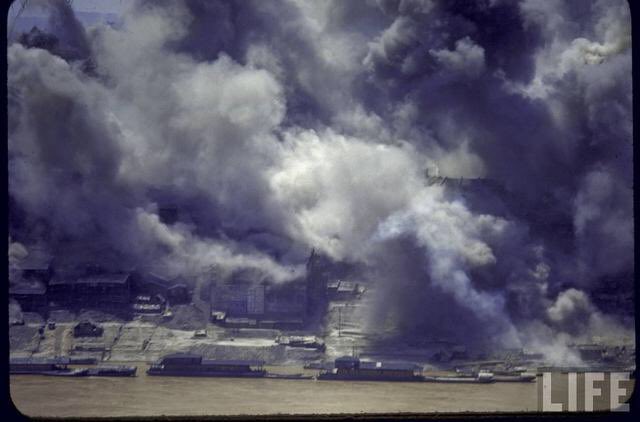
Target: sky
(281, 126)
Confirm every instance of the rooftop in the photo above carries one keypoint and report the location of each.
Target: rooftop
(119, 278)
(154, 278)
(347, 286)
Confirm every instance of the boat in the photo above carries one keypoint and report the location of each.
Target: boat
(515, 378)
(501, 375)
(317, 365)
(193, 365)
(348, 368)
(112, 371)
(289, 376)
(82, 360)
(75, 372)
(517, 374)
(43, 366)
(481, 378)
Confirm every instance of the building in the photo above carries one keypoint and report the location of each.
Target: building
(31, 295)
(175, 291)
(148, 283)
(178, 293)
(285, 300)
(36, 266)
(240, 295)
(318, 274)
(250, 293)
(238, 299)
(240, 322)
(91, 289)
(218, 317)
(248, 297)
(343, 290)
(320, 270)
(149, 304)
(590, 352)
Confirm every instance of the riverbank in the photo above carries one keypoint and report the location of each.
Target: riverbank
(143, 340)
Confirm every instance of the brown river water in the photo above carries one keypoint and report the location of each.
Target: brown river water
(36, 395)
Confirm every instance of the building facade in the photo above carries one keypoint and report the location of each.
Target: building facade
(98, 289)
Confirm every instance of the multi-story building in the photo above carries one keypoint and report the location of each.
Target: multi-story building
(31, 295)
(250, 294)
(91, 289)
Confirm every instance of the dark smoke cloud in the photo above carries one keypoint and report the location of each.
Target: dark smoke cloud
(281, 126)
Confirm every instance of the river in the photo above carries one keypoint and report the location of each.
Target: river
(153, 396)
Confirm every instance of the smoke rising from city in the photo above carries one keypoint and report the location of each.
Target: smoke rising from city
(282, 126)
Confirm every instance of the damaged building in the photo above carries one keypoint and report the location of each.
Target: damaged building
(149, 304)
(91, 289)
(322, 276)
(248, 297)
(28, 280)
(30, 295)
(344, 290)
(174, 291)
(36, 266)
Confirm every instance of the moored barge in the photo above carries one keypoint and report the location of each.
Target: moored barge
(515, 378)
(192, 365)
(482, 378)
(75, 372)
(112, 371)
(500, 375)
(289, 376)
(348, 368)
(43, 366)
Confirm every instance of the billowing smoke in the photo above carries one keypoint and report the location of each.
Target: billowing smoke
(281, 126)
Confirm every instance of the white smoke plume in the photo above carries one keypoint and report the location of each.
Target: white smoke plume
(276, 138)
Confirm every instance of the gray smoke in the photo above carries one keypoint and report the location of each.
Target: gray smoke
(281, 126)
